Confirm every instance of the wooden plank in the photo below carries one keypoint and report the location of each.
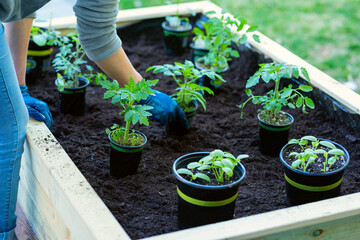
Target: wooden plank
(304, 220)
(72, 197)
(133, 15)
(39, 208)
(23, 230)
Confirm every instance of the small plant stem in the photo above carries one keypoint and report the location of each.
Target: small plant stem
(127, 129)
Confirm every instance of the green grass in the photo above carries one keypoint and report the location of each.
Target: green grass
(323, 32)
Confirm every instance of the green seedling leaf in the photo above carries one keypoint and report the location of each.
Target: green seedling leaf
(309, 138)
(252, 28)
(229, 155)
(242, 156)
(309, 103)
(228, 171)
(227, 163)
(293, 154)
(218, 164)
(256, 38)
(299, 102)
(320, 151)
(305, 88)
(336, 152)
(296, 164)
(327, 144)
(184, 171)
(293, 141)
(305, 74)
(311, 160)
(202, 176)
(193, 165)
(204, 167)
(217, 153)
(332, 160)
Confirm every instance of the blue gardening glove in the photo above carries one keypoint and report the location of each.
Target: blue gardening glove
(165, 109)
(38, 109)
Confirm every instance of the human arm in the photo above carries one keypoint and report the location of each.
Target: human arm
(18, 34)
(97, 34)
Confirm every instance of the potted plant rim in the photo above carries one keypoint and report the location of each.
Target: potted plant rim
(207, 186)
(313, 169)
(274, 124)
(176, 31)
(126, 143)
(213, 47)
(72, 80)
(40, 48)
(189, 92)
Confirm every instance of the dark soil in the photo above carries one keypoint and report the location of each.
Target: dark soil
(145, 204)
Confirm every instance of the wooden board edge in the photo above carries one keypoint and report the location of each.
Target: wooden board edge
(67, 188)
(278, 223)
(23, 230)
(132, 15)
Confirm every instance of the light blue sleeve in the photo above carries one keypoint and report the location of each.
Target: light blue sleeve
(96, 27)
(15, 10)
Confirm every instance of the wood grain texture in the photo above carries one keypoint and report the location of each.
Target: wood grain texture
(23, 230)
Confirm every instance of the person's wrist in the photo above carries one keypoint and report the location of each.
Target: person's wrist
(23, 88)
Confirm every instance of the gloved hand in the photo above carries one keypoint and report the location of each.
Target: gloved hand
(38, 109)
(165, 109)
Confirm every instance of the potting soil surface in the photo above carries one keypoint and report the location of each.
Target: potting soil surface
(145, 204)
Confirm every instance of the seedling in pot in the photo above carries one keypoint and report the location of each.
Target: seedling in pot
(218, 163)
(43, 37)
(218, 37)
(175, 21)
(273, 102)
(69, 61)
(126, 98)
(186, 75)
(311, 153)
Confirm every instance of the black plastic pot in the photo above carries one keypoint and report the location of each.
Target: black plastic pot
(200, 204)
(38, 61)
(273, 137)
(178, 129)
(304, 187)
(207, 82)
(124, 160)
(72, 100)
(176, 40)
(196, 53)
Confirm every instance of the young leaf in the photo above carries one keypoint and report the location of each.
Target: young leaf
(228, 171)
(305, 88)
(327, 144)
(256, 38)
(309, 138)
(336, 152)
(184, 171)
(309, 103)
(305, 73)
(227, 163)
(296, 164)
(332, 160)
(193, 165)
(203, 176)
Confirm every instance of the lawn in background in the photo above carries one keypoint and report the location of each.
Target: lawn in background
(326, 33)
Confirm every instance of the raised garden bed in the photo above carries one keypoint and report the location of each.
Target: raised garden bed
(72, 209)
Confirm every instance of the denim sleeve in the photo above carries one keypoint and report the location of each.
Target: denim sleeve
(96, 27)
(15, 10)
